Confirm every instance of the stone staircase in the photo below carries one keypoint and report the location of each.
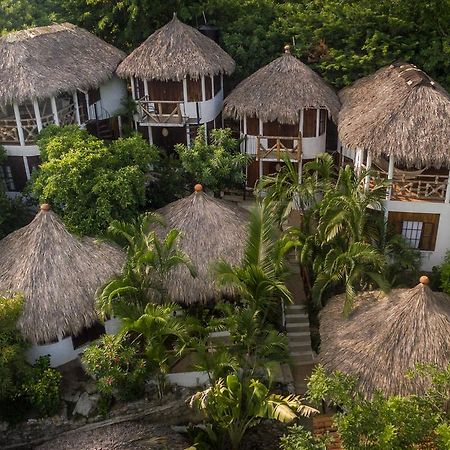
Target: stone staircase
(299, 337)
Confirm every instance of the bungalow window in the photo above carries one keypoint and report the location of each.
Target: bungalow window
(194, 88)
(309, 122)
(322, 121)
(208, 88)
(217, 84)
(88, 335)
(420, 230)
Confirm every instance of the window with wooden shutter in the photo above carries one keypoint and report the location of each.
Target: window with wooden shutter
(309, 122)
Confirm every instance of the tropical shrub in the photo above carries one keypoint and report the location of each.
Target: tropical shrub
(117, 367)
(298, 438)
(445, 274)
(232, 406)
(89, 182)
(384, 423)
(218, 164)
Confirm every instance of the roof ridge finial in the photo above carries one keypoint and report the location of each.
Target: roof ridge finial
(287, 49)
(198, 188)
(174, 15)
(46, 207)
(424, 280)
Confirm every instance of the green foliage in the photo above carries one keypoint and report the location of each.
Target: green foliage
(23, 386)
(217, 164)
(300, 439)
(386, 423)
(232, 406)
(88, 182)
(445, 274)
(117, 367)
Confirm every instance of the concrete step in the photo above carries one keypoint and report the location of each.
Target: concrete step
(300, 358)
(297, 334)
(299, 344)
(294, 317)
(297, 326)
(294, 307)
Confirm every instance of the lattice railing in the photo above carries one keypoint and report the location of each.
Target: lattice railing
(161, 111)
(8, 132)
(284, 146)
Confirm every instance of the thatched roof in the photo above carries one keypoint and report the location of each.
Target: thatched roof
(58, 275)
(385, 336)
(212, 229)
(398, 110)
(279, 91)
(46, 61)
(174, 51)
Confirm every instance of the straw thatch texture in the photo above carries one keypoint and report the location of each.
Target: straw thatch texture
(384, 337)
(211, 229)
(279, 91)
(175, 51)
(46, 61)
(58, 275)
(398, 110)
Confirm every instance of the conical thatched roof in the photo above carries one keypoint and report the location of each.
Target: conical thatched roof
(385, 336)
(212, 229)
(279, 91)
(174, 51)
(58, 275)
(398, 110)
(45, 61)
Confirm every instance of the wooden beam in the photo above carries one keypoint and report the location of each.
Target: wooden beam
(19, 124)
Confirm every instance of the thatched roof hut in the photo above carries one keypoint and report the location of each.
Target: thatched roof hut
(399, 111)
(46, 61)
(212, 229)
(385, 336)
(58, 275)
(279, 91)
(176, 51)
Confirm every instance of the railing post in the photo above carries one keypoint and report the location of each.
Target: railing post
(278, 148)
(390, 176)
(258, 145)
(18, 124)
(37, 115)
(368, 166)
(54, 110)
(447, 190)
(77, 108)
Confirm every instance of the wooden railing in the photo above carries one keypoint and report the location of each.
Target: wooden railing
(161, 111)
(418, 187)
(10, 135)
(283, 146)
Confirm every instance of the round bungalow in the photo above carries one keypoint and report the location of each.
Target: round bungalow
(211, 229)
(58, 274)
(386, 336)
(283, 110)
(58, 74)
(397, 121)
(177, 81)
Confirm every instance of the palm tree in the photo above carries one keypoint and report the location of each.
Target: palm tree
(148, 266)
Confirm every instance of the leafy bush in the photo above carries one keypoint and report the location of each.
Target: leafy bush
(445, 274)
(117, 367)
(88, 182)
(300, 439)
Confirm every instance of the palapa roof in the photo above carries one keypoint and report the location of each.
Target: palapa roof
(386, 336)
(58, 275)
(211, 229)
(398, 110)
(175, 51)
(279, 91)
(46, 61)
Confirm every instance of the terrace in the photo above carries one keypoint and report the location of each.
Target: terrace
(161, 111)
(274, 148)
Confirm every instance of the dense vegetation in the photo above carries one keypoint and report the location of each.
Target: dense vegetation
(343, 40)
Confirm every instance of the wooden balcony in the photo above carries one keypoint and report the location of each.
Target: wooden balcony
(161, 112)
(277, 148)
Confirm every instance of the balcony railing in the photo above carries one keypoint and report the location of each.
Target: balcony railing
(278, 147)
(161, 111)
(423, 187)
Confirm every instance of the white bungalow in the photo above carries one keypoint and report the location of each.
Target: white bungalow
(58, 74)
(397, 121)
(283, 110)
(176, 80)
(58, 274)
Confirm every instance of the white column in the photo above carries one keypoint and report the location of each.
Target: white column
(245, 125)
(203, 89)
(54, 110)
(260, 168)
(447, 192)
(150, 135)
(358, 160)
(368, 166)
(119, 124)
(300, 169)
(212, 86)
(261, 127)
(77, 108)
(88, 108)
(27, 167)
(18, 124)
(390, 175)
(317, 122)
(146, 88)
(185, 90)
(133, 93)
(301, 123)
(37, 115)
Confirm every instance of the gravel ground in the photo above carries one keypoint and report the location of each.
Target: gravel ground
(122, 436)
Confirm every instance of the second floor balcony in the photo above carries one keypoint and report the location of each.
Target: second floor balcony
(161, 112)
(274, 148)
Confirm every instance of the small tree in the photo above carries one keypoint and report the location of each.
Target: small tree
(88, 182)
(216, 165)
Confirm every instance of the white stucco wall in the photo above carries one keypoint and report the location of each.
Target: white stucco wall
(311, 147)
(188, 379)
(112, 94)
(60, 352)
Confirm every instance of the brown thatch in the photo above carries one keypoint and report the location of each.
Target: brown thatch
(212, 229)
(279, 91)
(385, 336)
(175, 51)
(58, 275)
(46, 61)
(398, 110)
